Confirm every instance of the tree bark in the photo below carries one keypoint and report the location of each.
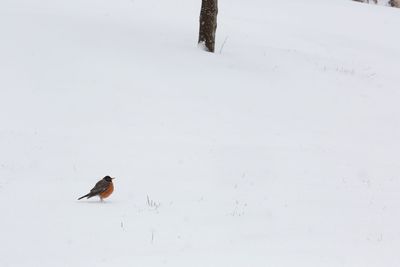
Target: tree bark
(208, 24)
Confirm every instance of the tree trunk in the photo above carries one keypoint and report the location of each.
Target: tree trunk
(208, 24)
(394, 3)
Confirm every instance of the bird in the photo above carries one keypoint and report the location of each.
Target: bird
(103, 189)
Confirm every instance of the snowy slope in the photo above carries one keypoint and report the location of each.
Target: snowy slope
(280, 150)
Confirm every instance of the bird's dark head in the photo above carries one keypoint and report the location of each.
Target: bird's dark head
(108, 178)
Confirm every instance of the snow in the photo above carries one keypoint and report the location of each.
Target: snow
(280, 150)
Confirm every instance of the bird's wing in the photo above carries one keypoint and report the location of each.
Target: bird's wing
(100, 186)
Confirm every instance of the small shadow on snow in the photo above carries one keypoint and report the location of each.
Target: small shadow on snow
(94, 202)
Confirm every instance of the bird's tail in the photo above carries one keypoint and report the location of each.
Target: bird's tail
(87, 195)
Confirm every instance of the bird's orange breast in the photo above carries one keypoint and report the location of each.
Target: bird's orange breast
(108, 191)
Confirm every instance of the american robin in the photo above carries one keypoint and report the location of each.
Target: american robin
(103, 189)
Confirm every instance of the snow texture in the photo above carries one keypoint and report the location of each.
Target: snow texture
(281, 149)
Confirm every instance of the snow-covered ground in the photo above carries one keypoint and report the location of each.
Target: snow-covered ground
(282, 149)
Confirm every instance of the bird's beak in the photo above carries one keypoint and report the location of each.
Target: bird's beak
(112, 178)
